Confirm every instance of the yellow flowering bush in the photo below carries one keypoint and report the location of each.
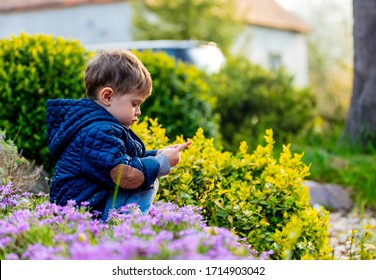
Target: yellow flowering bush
(260, 198)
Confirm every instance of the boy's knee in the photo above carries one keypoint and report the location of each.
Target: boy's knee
(127, 177)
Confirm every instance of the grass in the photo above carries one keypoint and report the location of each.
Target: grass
(342, 165)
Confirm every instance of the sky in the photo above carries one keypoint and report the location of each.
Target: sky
(294, 4)
(330, 22)
(303, 8)
(288, 4)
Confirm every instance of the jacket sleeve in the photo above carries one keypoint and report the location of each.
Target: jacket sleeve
(150, 153)
(105, 160)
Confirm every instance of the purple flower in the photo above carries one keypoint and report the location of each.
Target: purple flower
(41, 252)
(65, 238)
(103, 251)
(6, 190)
(9, 196)
(123, 231)
(4, 242)
(85, 204)
(96, 227)
(164, 236)
(11, 256)
(166, 232)
(266, 255)
(146, 231)
(71, 203)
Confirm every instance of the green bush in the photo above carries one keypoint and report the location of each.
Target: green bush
(34, 69)
(180, 98)
(263, 199)
(251, 100)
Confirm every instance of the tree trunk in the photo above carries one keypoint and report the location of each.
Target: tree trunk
(360, 128)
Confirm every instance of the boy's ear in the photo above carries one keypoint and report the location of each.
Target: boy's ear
(106, 95)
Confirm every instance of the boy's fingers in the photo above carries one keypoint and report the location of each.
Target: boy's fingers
(183, 146)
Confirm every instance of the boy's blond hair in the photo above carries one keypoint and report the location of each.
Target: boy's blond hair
(118, 69)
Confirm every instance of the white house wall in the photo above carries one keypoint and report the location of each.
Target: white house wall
(101, 23)
(258, 43)
(90, 24)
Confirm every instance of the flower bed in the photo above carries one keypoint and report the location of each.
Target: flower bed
(33, 228)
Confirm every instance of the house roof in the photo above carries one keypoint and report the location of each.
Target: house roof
(265, 13)
(270, 14)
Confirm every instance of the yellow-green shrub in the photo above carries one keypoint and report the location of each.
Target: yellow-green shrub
(262, 198)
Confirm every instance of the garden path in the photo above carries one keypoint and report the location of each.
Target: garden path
(344, 217)
(341, 226)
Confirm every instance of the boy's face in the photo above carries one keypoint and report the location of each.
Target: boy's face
(126, 108)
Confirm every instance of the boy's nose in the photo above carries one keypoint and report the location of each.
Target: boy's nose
(138, 112)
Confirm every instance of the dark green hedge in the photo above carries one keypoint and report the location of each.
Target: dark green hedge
(34, 69)
(251, 100)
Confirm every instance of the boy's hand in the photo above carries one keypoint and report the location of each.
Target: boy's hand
(168, 148)
(173, 152)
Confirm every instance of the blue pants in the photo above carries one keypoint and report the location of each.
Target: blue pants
(143, 199)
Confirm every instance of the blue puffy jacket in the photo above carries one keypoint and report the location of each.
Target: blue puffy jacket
(88, 142)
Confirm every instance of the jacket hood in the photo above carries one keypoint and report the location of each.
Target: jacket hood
(66, 117)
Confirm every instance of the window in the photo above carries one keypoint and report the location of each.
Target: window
(275, 61)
